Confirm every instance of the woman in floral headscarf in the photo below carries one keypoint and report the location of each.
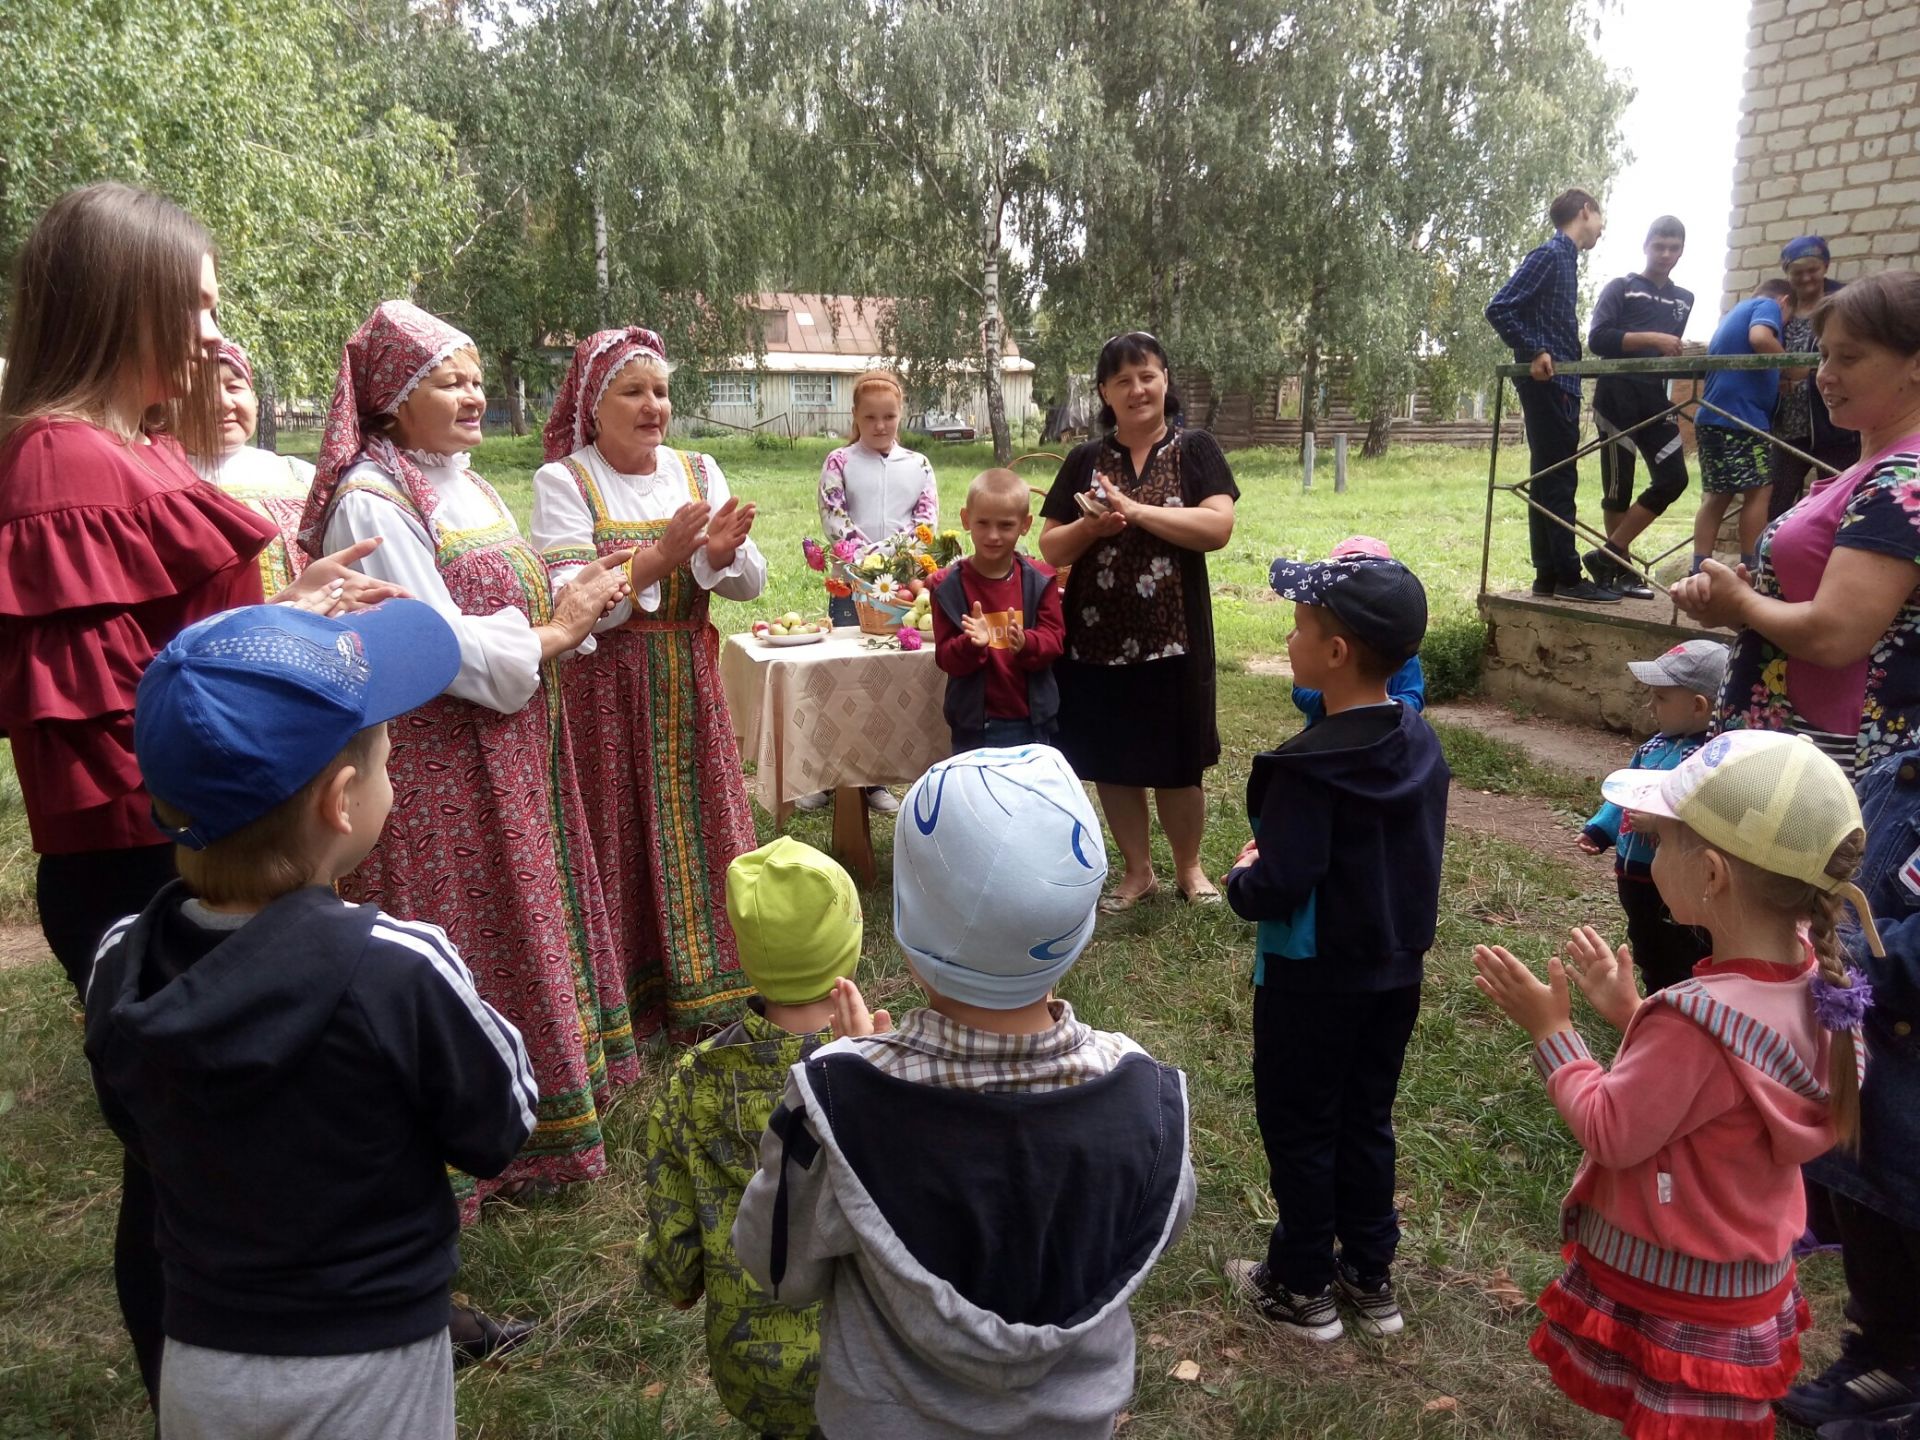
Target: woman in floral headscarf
(487, 836)
(653, 742)
(272, 486)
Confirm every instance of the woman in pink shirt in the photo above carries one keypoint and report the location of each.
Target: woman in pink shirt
(1679, 1312)
(1829, 642)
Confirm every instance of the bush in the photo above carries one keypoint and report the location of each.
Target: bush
(1451, 656)
(767, 440)
(914, 440)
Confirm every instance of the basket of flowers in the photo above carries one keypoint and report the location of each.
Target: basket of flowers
(886, 580)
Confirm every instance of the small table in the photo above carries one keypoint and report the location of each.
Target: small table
(834, 716)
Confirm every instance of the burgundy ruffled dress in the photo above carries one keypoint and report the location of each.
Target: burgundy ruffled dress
(107, 551)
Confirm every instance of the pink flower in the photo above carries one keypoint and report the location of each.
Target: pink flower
(845, 551)
(816, 557)
(909, 638)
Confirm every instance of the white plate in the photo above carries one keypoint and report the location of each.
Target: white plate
(811, 638)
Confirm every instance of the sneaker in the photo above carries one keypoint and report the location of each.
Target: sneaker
(818, 800)
(1544, 589)
(1854, 1387)
(1313, 1316)
(1604, 566)
(1586, 593)
(1904, 1426)
(880, 802)
(1371, 1299)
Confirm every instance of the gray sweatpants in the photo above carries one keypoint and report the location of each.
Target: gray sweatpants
(405, 1393)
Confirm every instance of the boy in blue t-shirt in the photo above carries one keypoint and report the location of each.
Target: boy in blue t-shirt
(1684, 683)
(1733, 460)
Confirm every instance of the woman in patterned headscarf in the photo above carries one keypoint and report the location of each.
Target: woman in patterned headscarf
(488, 836)
(654, 744)
(270, 485)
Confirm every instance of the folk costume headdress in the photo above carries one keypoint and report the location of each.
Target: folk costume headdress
(596, 360)
(399, 346)
(236, 359)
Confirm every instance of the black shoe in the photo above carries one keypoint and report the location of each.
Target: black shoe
(1313, 1316)
(1605, 568)
(1904, 1426)
(1371, 1298)
(1544, 589)
(1586, 593)
(1855, 1387)
(478, 1336)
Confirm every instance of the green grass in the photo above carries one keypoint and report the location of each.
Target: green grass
(1484, 1162)
(1483, 1158)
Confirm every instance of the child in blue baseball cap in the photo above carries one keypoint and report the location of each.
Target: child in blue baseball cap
(976, 1195)
(297, 1073)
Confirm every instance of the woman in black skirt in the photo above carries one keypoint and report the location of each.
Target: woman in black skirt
(1137, 681)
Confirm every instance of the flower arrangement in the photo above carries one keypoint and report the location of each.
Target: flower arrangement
(885, 579)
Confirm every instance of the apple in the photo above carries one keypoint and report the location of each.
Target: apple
(790, 619)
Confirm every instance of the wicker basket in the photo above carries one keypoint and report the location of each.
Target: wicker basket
(878, 617)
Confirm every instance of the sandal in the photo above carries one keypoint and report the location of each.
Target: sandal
(1201, 897)
(1117, 904)
(494, 1337)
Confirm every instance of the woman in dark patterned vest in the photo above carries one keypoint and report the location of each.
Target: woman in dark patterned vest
(1137, 679)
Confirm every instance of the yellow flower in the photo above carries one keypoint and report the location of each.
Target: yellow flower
(927, 565)
(1774, 677)
(923, 533)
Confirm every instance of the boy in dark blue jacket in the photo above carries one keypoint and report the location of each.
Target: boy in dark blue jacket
(297, 1073)
(1343, 876)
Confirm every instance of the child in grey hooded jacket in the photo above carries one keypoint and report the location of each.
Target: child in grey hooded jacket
(976, 1195)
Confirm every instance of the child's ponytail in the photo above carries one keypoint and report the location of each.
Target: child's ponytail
(1837, 1008)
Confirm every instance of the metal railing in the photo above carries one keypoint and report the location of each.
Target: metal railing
(1658, 367)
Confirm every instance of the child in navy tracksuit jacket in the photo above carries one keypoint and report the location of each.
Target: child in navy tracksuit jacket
(1685, 683)
(1343, 876)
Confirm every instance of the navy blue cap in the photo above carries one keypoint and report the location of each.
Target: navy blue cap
(243, 708)
(1381, 601)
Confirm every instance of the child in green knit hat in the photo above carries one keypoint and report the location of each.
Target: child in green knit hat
(796, 918)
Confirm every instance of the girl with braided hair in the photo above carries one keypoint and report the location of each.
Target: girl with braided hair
(1679, 1311)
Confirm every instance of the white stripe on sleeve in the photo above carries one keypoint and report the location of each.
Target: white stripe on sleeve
(116, 932)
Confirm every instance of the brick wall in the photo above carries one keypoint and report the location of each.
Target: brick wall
(1829, 137)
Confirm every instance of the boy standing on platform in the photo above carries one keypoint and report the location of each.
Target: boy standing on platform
(997, 625)
(1733, 459)
(1639, 316)
(1343, 876)
(1685, 684)
(1534, 313)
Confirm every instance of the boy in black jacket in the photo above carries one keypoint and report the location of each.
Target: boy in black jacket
(297, 1072)
(1343, 876)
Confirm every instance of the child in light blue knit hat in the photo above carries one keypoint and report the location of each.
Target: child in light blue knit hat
(976, 1194)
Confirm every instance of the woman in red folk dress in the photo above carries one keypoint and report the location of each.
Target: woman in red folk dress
(110, 545)
(654, 742)
(486, 839)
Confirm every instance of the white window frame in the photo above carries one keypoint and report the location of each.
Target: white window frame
(734, 389)
(812, 399)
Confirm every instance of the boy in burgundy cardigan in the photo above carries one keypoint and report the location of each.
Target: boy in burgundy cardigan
(997, 626)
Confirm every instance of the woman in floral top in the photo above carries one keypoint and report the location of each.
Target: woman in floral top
(1137, 681)
(1829, 641)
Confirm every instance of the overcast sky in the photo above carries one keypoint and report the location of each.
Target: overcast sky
(1686, 59)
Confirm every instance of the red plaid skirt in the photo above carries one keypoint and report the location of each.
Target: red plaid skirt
(1667, 1379)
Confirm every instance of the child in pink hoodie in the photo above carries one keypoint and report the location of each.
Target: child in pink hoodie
(1679, 1312)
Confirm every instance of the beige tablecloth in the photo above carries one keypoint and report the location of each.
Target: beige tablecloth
(816, 717)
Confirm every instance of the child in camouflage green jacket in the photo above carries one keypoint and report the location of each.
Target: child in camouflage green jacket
(796, 918)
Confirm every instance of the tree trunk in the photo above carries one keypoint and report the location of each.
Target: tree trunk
(267, 433)
(602, 277)
(516, 394)
(990, 334)
(1379, 430)
(1309, 396)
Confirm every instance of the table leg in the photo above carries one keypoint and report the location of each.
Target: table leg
(853, 832)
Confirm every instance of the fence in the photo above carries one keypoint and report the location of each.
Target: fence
(1667, 368)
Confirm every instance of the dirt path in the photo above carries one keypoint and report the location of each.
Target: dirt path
(21, 945)
(1583, 750)
(1526, 821)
